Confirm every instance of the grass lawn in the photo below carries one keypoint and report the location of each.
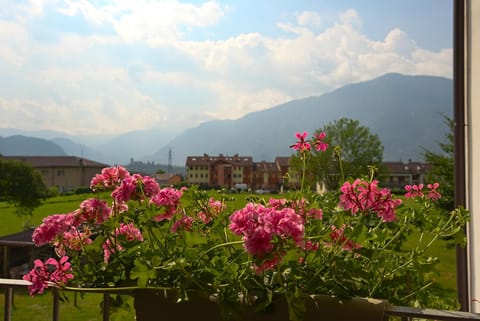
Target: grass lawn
(40, 307)
(88, 308)
(12, 223)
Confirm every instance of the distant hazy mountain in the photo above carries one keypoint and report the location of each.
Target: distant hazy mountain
(405, 111)
(46, 134)
(81, 150)
(107, 149)
(135, 144)
(29, 146)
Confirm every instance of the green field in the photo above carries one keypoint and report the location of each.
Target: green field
(87, 307)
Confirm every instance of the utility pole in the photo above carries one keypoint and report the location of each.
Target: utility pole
(169, 168)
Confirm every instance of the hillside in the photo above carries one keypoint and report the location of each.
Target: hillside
(405, 111)
(29, 146)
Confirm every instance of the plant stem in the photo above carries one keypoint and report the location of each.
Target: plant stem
(216, 247)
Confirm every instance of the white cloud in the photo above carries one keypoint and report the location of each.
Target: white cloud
(80, 79)
(351, 18)
(153, 22)
(311, 18)
(234, 103)
(398, 41)
(12, 49)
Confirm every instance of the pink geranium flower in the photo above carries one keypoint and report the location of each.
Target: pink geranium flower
(184, 223)
(301, 145)
(366, 197)
(48, 273)
(318, 142)
(123, 233)
(73, 239)
(433, 194)
(260, 225)
(167, 200)
(109, 178)
(338, 237)
(93, 210)
(52, 227)
(414, 191)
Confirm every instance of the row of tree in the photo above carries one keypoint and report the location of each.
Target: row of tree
(22, 186)
(356, 152)
(353, 151)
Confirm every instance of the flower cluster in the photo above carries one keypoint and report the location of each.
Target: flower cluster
(50, 273)
(367, 197)
(414, 191)
(127, 232)
(346, 242)
(73, 233)
(304, 145)
(259, 225)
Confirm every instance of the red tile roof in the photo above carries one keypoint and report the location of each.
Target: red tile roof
(55, 161)
(407, 168)
(283, 161)
(207, 160)
(266, 166)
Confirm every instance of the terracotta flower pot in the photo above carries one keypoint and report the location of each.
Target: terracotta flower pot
(154, 306)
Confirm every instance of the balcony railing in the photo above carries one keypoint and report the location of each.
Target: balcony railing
(391, 312)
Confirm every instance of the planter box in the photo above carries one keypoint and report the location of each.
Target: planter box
(154, 306)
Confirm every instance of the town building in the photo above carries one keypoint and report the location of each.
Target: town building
(238, 172)
(219, 171)
(168, 179)
(266, 176)
(64, 172)
(241, 171)
(399, 174)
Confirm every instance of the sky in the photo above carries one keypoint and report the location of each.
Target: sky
(109, 67)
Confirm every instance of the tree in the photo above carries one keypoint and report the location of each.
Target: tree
(442, 167)
(353, 144)
(22, 186)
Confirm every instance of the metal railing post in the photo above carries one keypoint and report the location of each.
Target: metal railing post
(56, 305)
(106, 306)
(8, 304)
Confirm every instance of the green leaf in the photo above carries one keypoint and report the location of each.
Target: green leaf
(296, 306)
(194, 238)
(142, 272)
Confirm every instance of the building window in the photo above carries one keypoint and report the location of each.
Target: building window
(60, 173)
(45, 172)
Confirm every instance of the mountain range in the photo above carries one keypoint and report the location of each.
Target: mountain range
(406, 112)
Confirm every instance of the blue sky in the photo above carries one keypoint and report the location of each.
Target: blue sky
(107, 67)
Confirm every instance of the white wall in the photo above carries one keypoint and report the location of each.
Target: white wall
(473, 146)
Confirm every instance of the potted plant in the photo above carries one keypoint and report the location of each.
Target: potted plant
(296, 255)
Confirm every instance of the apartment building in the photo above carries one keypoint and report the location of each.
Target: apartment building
(64, 172)
(219, 171)
(231, 171)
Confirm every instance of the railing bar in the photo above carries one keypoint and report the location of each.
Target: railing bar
(431, 314)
